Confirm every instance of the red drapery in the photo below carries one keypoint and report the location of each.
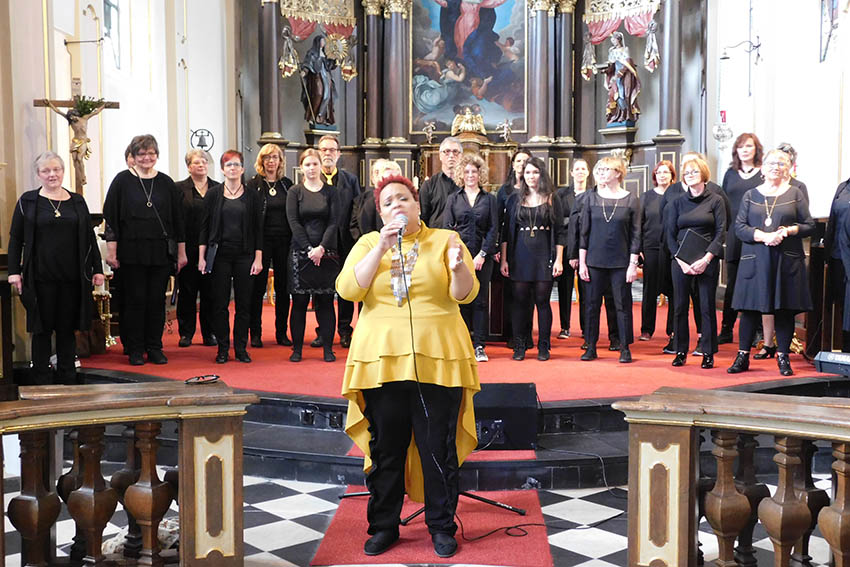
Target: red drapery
(599, 31)
(301, 29)
(339, 29)
(606, 17)
(637, 25)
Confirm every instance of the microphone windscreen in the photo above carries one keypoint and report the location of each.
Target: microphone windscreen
(402, 218)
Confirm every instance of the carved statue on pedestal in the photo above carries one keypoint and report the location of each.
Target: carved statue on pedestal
(623, 85)
(317, 84)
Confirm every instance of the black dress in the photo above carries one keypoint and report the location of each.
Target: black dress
(313, 218)
(772, 277)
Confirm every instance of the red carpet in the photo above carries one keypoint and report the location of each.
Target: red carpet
(564, 377)
(344, 539)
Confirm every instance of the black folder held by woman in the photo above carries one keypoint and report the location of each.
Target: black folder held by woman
(693, 247)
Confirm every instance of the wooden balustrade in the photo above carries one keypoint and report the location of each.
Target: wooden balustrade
(209, 417)
(664, 483)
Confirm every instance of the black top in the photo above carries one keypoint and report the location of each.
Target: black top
(193, 213)
(505, 191)
(573, 231)
(735, 186)
(135, 226)
(514, 223)
(56, 237)
(704, 214)
(347, 190)
(802, 187)
(215, 225)
(610, 230)
(651, 225)
(364, 215)
(433, 196)
(275, 223)
(478, 225)
(234, 215)
(838, 222)
(313, 217)
(567, 196)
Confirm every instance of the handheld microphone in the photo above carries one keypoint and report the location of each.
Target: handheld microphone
(403, 219)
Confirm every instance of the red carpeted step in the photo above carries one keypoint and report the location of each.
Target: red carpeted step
(344, 538)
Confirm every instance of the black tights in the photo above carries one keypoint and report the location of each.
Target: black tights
(750, 321)
(323, 304)
(526, 296)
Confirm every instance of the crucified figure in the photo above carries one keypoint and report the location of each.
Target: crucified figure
(80, 150)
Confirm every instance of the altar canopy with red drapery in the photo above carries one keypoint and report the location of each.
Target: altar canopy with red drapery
(603, 17)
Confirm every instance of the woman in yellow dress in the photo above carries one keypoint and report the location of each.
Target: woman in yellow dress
(411, 371)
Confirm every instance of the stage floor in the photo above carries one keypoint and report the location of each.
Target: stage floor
(562, 378)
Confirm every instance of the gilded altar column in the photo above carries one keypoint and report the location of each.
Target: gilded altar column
(270, 124)
(374, 72)
(396, 14)
(564, 67)
(670, 100)
(538, 65)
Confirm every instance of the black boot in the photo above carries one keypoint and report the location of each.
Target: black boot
(680, 359)
(590, 353)
(542, 350)
(625, 355)
(519, 348)
(784, 364)
(725, 336)
(741, 364)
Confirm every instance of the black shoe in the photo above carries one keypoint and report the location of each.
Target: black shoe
(510, 343)
(221, 357)
(519, 354)
(584, 345)
(707, 361)
(380, 542)
(256, 342)
(283, 341)
(184, 342)
(725, 336)
(590, 353)
(329, 356)
(669, 348)
(210, 341)
(156, 357)
(317, 342)
(680, 359)
(766, 352)
(136, 359)
(615, 345)
(741, 364)
(243, 356)
(542, 351)
(295, 356)
(625, 355)
(345, 340)
(529, 343)
(784, 364)
(445, 545)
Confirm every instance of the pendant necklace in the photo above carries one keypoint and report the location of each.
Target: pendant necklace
(400, 279)
(534, 222)
(148, 195)
(55, 208)
(271, 187)
(769, 220)
(614, 210)
(233, 193)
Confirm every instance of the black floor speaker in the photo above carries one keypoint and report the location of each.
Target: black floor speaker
(506, 416)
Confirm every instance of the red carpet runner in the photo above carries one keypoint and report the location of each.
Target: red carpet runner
(344, 539)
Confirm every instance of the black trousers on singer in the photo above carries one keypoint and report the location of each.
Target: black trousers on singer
(394, 411)
(143, 317)
(610, 310)
(704, 287)
(192, 284)
(59, 308)
(565, 295)
(729, 314)
(615, 279)
(232, 266)
(275, 252)
(476, 315)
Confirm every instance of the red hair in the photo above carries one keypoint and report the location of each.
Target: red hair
(394, 178)
(669, 165)
(225, 157)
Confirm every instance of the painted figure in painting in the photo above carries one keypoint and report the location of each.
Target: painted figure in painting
(623, 85)
(317, 87)
(429, 95)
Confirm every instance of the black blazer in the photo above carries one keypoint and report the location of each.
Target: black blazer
(21, 242)
(347, 190)
(252, 231)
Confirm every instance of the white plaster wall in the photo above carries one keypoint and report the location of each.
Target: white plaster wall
(793, 98)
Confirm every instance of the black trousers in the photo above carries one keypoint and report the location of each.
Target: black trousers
(394, 412)
(143, 317)
(476, 315)
(729, 314)
(615, 279)
(565, 295)
(652, 275)
(527, 295)
(191, 284)
(59, 309)
(705, 287)
(276, 253)
(610, 310)
(323, 304)
(750, 321)
(232, 268)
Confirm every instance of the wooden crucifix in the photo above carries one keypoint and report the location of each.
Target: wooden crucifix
(80, 110)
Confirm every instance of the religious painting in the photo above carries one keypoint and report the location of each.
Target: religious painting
(468, 54)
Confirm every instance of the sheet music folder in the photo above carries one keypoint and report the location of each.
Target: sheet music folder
(693, 247)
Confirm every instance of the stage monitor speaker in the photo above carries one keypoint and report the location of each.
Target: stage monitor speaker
(506, 416)
(832, 363)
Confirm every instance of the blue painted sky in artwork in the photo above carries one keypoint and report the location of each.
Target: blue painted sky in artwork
(503, 14)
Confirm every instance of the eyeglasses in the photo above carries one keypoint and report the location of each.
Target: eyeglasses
(48, 171)
(450, 152)
(150, 153)
(776, 164)
(602, 169)
(328, 150)
(271, 157)
(233, 164)
(690, 172)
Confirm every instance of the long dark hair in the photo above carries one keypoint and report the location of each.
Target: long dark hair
(545, 187)
(740, 141)
(511, 177)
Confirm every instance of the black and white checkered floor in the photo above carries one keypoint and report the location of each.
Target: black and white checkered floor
(285, 521)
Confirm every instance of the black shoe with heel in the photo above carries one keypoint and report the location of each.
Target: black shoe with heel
(625, 355)
(766, 352)
(741, 364)
(784, 364)
(542, 351)
(707, 361)
(680, 359)
(590, 353)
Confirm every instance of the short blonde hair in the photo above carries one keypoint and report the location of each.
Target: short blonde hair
(197, 152)
(780, 153)
(379, 168)
(475, 160)
(702, 165)
(269, 149)
(614, 164)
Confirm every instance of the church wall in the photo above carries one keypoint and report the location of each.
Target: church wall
(793, 97)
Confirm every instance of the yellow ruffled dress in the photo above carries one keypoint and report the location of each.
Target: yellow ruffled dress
(381, 351)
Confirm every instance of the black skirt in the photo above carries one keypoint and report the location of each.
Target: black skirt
(306, 277)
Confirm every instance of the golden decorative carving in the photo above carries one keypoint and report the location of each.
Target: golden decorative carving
(373, 7)
(321, 11)
(468, 122)
(604, 10)
(402, 7)
(566, 6)
(535, 6)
